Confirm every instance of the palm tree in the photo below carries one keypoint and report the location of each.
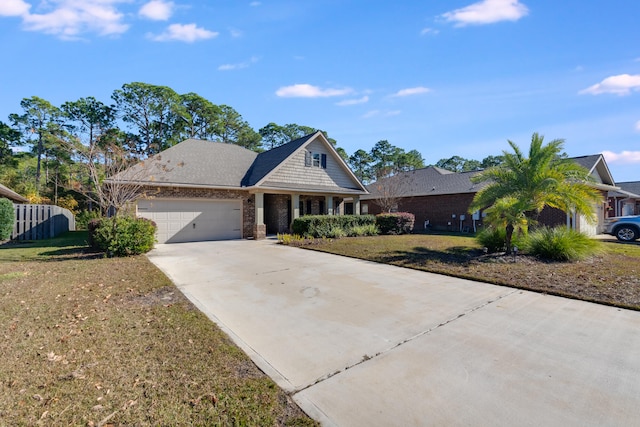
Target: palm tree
(521, 187)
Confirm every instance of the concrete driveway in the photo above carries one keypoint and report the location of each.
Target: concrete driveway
(363, 344)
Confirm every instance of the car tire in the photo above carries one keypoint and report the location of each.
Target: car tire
(626, 233)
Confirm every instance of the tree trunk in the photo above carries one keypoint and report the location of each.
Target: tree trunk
(509, 230)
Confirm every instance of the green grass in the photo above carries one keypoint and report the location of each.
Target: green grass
(611, 276)
(89, 340)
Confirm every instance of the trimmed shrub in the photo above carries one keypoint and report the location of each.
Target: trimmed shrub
(395, 223)
(561, 244)
(83, 218)
(124, 236)
(7, 218)
(325, 225)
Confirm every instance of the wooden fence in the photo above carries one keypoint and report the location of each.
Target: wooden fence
(36, 222)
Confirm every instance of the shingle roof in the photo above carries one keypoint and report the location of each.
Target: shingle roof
(269, 160)
(196, 162)
(432, 181)
(630, 186)
(588, 162)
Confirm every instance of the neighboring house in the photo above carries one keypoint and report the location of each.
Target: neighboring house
(440, 199)
(201, 190)
(625, 200)
(12, 195)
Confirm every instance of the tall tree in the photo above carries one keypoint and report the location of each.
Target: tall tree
(89, 119)
(235, 130)
(9, 137)
(274, 135)
(41, 126)
(522, 186)
(151, 112)
(360, 164)
(198, 118)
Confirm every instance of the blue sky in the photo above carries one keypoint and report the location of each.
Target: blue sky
(446, 78)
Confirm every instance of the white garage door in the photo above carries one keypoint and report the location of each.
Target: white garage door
(193, 220)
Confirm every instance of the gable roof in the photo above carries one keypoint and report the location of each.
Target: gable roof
(596, 165)
(198, 163)
(12, 195)
(269, 160)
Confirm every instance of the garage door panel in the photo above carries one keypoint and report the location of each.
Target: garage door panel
(188, 220)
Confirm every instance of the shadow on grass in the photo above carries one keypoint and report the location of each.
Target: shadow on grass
(70, 245)
(420, 256)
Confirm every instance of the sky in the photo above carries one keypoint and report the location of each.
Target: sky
(446, 78)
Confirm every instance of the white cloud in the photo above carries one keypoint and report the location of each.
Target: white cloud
(638, 125)
(428, 31)
(255, 3)
(235, 33)
(412, 91)
(487, 12)
(362, 100)
(309, 91)
(378, 113)
(14, 8)
(622, 84)
(246, 64)
(157, 10)
(188, 33)
(622, 157)
(70, 18)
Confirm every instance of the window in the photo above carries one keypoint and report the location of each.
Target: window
(364, 209)
(316, 160)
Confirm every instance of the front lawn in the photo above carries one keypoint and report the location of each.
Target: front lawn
(611, 277)
(94, 341)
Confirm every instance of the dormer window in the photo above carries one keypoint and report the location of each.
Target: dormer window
(316, 160)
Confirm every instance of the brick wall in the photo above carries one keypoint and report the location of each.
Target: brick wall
(438, 210)
(248, 201)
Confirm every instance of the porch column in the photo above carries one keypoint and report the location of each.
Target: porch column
(259, 228)
(295, 208)
(356, 205)
(329, 204)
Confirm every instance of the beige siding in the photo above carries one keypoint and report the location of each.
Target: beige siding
(294, 171)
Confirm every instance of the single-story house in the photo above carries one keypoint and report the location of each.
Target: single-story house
(440, 199)
(625, 200)
(202, 190)
(12, 195)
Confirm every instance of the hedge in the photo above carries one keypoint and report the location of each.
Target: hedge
(122, 236)
(395, 223)
(327, 225)
(7, 218)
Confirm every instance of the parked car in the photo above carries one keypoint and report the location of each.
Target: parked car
(625, 228)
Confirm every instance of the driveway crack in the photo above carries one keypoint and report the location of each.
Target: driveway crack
(367, 357)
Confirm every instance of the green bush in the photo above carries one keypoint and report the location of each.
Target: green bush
(560, 244)
(395, 223)
(363, 230)
(494, 239)
(325, 225)
(7, 218)
(123, 236)
(83, 218)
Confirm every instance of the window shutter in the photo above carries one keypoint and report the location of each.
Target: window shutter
(323, 161)
(307, 158)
